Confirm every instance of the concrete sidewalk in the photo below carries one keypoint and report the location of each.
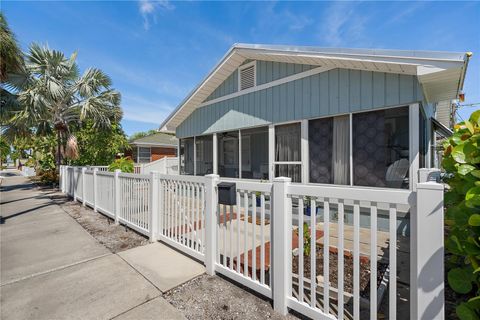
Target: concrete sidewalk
(51, 268)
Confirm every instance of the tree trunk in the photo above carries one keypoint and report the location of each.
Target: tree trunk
(59, 153)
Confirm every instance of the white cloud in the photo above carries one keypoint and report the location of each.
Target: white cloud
(407, 11)
(344, 26)
(140, 109)
(149, 8)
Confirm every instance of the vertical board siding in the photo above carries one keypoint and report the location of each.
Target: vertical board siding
(267, 71)
(337, 91)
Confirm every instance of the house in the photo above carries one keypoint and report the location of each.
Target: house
(354, 117)
(153, 147)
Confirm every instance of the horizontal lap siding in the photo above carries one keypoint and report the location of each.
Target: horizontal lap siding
(333, 92)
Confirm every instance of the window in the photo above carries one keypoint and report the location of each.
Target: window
(246, 75)
(255, 153)
(204, 155)
(329, 150)
(186, 156)
(228, 159)
(381, 148)
(288, 152)
(144, 154)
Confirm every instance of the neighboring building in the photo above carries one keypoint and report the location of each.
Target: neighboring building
(331, 116)
(153, 147)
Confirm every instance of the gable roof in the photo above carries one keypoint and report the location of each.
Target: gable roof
(440, 73)
(160, 139)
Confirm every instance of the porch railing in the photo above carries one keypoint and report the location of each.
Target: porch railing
(327, 252)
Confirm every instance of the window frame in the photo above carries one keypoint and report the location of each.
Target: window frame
(149, 152)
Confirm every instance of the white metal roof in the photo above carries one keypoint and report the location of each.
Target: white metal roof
(440, 73)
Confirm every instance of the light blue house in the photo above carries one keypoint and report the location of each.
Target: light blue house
(326, 116)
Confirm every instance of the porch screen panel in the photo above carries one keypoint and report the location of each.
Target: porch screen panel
(287, 149)
(255, 153)
(381, 148)
(186, 156)
(329, 150)
(228, 159)
(320, 141)
(204, 155)
(144, 155)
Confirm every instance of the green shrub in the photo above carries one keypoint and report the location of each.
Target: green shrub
(124, 164)
(462, 164)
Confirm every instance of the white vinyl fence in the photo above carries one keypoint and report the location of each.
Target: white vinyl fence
(165, 165)
(327, 252)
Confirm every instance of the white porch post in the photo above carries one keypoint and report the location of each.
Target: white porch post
(414, 144)
(179, 156)
(138, 154)
(427, 253)
(304, 150)
(116, 189)
(84, 187)
(194, 156)
(271, 152)
(95, 189)
(239, 154)
(154, 207)
(211, 200)
(215, 153)
(281, 244)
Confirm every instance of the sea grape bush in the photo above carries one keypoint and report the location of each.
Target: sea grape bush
(462, 165)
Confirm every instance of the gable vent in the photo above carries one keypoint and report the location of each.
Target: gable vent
(247, 77)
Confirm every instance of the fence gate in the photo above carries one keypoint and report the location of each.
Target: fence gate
(182, 213)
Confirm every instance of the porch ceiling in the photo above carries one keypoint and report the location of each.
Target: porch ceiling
(440, 73)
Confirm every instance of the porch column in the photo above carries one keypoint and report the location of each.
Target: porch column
(414, 135)
(215, 153)
(271, 152)
(304, 150)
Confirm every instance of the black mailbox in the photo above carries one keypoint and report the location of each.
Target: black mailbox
(227, 193)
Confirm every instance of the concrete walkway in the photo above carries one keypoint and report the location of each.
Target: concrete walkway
(51, 268)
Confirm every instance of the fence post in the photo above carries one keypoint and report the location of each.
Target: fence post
(211, 200)
(74, 187)
(153, 206)
(83, 186)
(427, 253)
(281, 244)
(95, 189)
(60, 178)
(116, 188)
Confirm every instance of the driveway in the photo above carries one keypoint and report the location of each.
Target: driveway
(51, 268)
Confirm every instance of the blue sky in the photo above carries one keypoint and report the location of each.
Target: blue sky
(156, 52)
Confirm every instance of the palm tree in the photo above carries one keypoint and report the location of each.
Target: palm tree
(10, 53)
(54, 98)
(11, 61)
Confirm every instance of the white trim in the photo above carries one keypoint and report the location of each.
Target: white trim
(215, 153)
(304, 150)
(351, 148)
(413, 131)
(239, 154)
(267, 85)
(194, 155)
(245, 66)
(141, 144)
(271, 152)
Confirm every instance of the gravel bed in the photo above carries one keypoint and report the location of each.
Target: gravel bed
(115, 238)
(212, 297)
